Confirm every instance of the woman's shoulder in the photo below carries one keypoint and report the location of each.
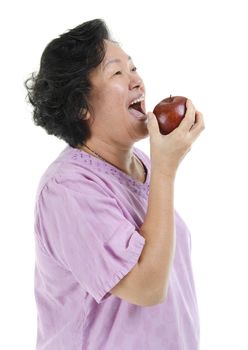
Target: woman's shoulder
(72, 172)
(66, 174)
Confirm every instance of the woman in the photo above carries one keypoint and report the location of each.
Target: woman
(113, 266)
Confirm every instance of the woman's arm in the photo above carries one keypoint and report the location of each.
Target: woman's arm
(158, 230)
(146, 284)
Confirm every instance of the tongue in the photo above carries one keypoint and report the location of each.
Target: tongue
(136, 113)
(136, 110)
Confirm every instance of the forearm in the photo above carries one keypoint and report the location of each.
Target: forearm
(158, 230)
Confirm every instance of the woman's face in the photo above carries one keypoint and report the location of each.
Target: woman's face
(115, 84)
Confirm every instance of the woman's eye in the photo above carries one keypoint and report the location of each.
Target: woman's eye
(134, 69)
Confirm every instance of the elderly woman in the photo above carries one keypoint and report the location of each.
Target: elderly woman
(113, 268)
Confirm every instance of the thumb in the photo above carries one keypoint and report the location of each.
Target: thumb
(152, 124)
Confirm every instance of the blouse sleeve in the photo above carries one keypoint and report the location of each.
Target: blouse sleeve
(83, 228)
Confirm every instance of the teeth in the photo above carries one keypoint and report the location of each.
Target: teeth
(141, 98)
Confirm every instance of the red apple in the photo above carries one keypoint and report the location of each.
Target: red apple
(170, 112)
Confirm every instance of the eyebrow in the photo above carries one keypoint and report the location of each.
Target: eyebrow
(115, 60)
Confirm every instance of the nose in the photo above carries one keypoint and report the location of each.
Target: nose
(135, 82)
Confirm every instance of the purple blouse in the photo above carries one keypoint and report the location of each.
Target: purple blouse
(87, 219)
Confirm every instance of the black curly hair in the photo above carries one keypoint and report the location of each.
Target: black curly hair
(59, 91)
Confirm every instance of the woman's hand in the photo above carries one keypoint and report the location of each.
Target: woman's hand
(167, 151)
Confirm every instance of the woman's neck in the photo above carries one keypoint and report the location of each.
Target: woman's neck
(129, 164)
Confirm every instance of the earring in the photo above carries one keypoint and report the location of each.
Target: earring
(83, 113)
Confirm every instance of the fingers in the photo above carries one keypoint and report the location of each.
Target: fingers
(198, 126)
(189, 117)
(152, 124)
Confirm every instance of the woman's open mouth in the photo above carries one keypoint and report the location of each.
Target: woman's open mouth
(137, 110)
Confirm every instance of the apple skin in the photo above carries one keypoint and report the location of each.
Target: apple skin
(170, 112)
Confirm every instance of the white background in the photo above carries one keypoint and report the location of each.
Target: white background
(190, 48)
